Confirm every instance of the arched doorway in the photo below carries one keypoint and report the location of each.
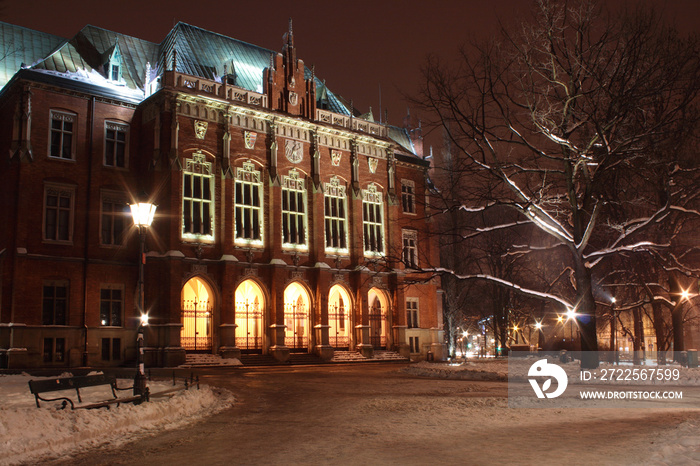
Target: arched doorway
(250, 303)
(377, 318)
(296, 317)
(339, 317)
(196, 311)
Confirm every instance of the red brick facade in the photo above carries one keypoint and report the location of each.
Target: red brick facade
(183, 141)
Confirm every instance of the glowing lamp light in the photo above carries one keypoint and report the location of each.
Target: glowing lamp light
(685, 295)
(560, 319)
(570, 314)
(465, 334)
(144, 319)
(143, 213)
(538, 325)
(613, 300)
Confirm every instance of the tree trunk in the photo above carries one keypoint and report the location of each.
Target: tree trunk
(587, 318)
(638, 335)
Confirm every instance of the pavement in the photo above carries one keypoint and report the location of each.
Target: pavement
(377, 414)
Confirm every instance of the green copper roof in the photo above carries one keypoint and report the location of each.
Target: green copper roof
(20, 46)
(90, 50)
(207, 54)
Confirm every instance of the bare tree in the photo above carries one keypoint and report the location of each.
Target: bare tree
(562, 121)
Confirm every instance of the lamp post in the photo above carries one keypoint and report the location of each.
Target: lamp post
(571, 315)
(142, 214)
(613, 332)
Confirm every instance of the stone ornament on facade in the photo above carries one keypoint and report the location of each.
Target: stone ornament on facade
(335, 157)
(372, 164)
(249, 138)
(200, 128)
(293, 150)
(293, 98)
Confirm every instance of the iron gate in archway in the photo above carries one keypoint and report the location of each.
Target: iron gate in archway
(196, 326)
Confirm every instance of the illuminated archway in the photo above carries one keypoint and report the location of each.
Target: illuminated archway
(296, 317)
(196, 311)
(339, 317)
(378, 306)
(250, 303)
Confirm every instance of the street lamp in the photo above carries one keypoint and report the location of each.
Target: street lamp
(613, 331)
(142, 213)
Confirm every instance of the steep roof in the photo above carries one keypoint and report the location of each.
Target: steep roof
(207, 54)
(90, 48)
(21, 46)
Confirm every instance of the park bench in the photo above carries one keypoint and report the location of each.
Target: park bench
(37, 387)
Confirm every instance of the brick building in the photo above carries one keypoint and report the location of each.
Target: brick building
(285, 221)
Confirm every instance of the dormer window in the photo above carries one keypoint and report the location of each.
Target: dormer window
(114, 66)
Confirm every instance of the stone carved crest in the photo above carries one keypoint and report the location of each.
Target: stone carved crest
(293, 150)
(249, 137)
(335, 157)
(293, 98)
(200, 128)
(372, 164)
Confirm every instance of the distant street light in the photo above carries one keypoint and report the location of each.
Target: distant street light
(142, 213)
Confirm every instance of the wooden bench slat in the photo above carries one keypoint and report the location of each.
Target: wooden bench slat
(38, 387)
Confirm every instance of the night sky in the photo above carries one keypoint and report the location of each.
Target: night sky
(356, 46)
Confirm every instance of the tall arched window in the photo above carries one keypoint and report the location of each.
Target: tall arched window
(336, 218)
(249, 209)
(198, 198)
(373, 220)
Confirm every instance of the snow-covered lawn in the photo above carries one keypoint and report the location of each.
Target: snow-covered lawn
(28, 433)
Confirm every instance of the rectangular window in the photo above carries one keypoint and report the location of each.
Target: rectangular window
(111, 305)
(410, 248)
(412, 312)
(408, 196)
(334, 210)
(61, 135)
(116, 144)
(372, 220)
(54, 303)
(54, 350)
(116, 349)
(115, 219)
(105, 349)
(414, 344)
(248, 199)
(198, 198)
(293, 210)
(111, 348)
(58, 213)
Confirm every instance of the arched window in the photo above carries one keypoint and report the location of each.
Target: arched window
(249, 209)
(373, 220)
(198, 198)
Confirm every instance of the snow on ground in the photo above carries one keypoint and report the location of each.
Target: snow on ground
(680, 446)
(28, 433)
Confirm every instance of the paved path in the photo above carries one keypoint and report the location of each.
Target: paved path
(375, 414)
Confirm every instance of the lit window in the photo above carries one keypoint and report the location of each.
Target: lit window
(248, 201)
(115, 218)
(293, 210)
(111, 305)
(410, 248)
(58, 213)
(408, 196)
(54, 303)
(336, 239)
(412, 312)
(116, 144)
(372, 220)
(61, 136)
(198, 198)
